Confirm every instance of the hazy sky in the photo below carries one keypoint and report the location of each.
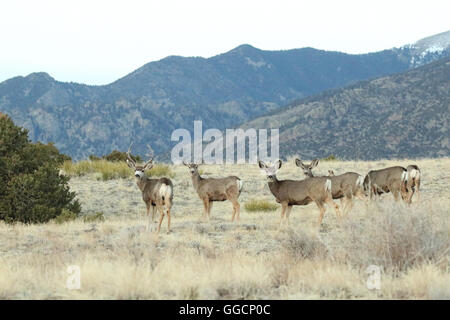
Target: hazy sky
(97, 42)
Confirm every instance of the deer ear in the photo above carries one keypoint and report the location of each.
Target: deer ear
(299, 163)
(314, 163)
(130, 164)
(262, 165)
(278, 164)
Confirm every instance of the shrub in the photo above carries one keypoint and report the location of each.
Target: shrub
(94, 158)
(31, 189)
(116, 155)
(395, 237)
(331, 157)
(260, 205)
(300, 245)
(161, 170)
(65, 216)
(108, 170)
(96, 217)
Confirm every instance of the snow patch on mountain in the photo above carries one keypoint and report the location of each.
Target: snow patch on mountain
(428, 49)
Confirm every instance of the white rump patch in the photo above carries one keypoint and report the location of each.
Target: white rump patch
(415, 173)
(328, 185)
(239, 184)
(405, 176)
(165, 191)
(360, 181)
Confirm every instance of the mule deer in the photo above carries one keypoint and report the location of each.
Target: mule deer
(414, 176)
(216, 189)
(299, 192)
(392, 179)
(307, 168)
(344, 186)
(156, 193)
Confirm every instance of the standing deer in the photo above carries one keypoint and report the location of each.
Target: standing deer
(295, 192)
(216, 189)
(414, 176)
(392, 179)
(344, 186)
(156, 193)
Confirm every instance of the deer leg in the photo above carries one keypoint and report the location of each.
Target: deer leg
(283, 210)
(395, 194)
(410, 195)
(332, 204)
(321, 212)
(168, 206)
(205, 208)
(373, 193)
(153, 213)
(288, 213)
(344, 204)
(168, 220)
(350, 205)
(417, 188)
(161, 210)
(210, 203)
(348, 199)
(148, 204)
(236, 210)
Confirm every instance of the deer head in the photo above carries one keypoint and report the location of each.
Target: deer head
(307, 168)
(270, 171)
(139, 170)
(193, 167)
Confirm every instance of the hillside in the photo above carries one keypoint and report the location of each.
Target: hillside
(403, 115)
(223, 91)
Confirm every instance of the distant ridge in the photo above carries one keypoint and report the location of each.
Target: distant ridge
(398, 116)
(146, 105)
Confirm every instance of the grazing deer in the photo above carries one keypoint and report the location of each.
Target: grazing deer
(414, 176)
(392, 179)
(216, 189)
(156, 193)
(344, 186)
(299, 192)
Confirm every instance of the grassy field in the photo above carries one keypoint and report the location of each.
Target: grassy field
(119, 259)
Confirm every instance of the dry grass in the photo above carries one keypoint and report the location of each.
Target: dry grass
(119, 259)
(260, 205)
(108, 170)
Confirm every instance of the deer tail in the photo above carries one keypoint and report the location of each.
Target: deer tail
(165, 191)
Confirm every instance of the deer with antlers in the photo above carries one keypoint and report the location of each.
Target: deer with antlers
(156, 193)
(299, 192)
(344, 186)
(216, 189)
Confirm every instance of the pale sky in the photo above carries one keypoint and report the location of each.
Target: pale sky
(97, 41)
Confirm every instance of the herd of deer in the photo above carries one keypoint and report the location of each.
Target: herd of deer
(158, 193)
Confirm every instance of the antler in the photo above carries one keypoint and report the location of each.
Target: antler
(150, 154)
(129, 155)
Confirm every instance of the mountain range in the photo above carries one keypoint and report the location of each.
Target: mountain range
(397, 116)
(223, 91)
